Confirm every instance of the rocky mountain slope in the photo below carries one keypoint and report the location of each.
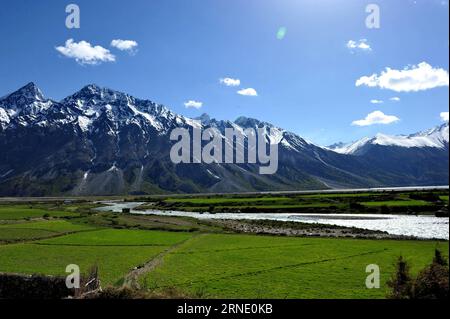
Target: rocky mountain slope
(102, 142)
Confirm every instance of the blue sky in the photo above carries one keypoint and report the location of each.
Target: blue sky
(305, 82)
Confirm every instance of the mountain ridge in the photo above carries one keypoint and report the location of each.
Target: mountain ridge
(99, 141)
(436, 137)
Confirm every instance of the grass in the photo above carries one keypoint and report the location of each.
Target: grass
(16, 212)
(119, 237)
(147, 222)
(116, 252)
(204, 260)
(61, 226)
(343, 195)
(396, 203)
(220, 200)
(16, 234)
(113, 262)
(245, 266)
(37, 230)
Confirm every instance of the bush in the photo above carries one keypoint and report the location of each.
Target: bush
(430, 197)
(438, 259)
(430, 283)
(401, 283)
(356, 206)
(129, 293)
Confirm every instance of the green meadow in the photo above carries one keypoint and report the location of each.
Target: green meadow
(203, 259)
(245, 266)
(376, 202)
(24, 212)
(114, 251)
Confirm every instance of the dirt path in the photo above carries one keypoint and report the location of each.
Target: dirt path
(132, 278)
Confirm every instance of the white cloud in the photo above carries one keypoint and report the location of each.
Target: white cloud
(248, 92)
(361, 45)
(84, 53)
(230, 82)
(444, 116)
(376, 117)
(376, 102)
(124, 45)
(395, 99)
(411, 79)
(193, 104)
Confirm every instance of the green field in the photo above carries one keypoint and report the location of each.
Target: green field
(381, 202)
(203, 258)
(23, 212)
(396, 203)
(113, 261)
(236, 266)
(37, 230)
(116, 252)
(220, 265)
(118, 237)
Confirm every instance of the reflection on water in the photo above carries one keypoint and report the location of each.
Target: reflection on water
(418, 226)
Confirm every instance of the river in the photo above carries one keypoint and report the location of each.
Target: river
(408, 225)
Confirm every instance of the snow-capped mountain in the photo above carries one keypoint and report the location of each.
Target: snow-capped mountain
(103, 142)
(23, 106)
(437, 137)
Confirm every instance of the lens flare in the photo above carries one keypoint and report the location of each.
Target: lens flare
(281, 33)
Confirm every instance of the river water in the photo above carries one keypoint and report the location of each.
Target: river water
(418, 226)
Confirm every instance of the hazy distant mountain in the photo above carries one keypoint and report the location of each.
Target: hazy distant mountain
(101, 142)
(437, 137)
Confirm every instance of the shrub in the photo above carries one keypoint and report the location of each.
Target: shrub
(430, 197)
(438, 259)
(432, 282)
(129, 293)
(356, 206)
(401, 282)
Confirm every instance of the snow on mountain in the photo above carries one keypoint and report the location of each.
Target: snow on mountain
(351, 148)
(101, 141)
(274, 134)
(27, 101)
(4, 118)
(28, 106)
(437, 137)
(93, 103)
(122, 109)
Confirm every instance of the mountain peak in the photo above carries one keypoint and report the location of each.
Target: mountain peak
(204, 118)
(29, 91)
(91, 88)
(93, 93)
(437, 137)
(247, 122)
(94, 89)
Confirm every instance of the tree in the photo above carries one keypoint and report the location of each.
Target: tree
(401, 282)
(432, 282)
(438, 259)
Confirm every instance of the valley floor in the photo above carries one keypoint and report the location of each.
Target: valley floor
(198, 259)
